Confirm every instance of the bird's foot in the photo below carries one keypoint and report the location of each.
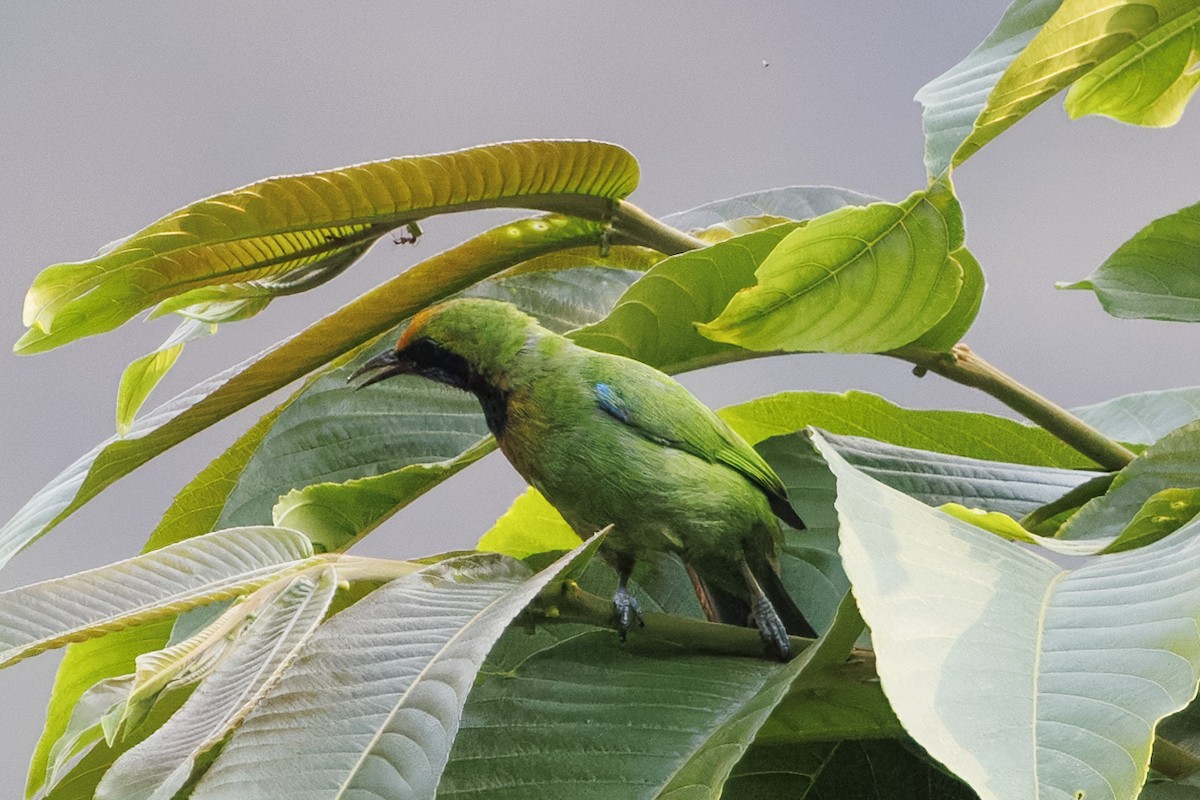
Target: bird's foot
(625, 611)
(771, 629)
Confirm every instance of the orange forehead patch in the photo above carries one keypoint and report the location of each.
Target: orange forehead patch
(419, 321)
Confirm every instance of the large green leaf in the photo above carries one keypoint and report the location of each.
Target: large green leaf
(1145, 417)
(160, 765)
(955, 99)
(846, 770)
(291, 229)
(1023, 677)
(1170, 463)
(939, 478)
(961, 433)
(385, 679)
(1081, 36)
(359, 321)
(958, 320)
(1148, 82)
(203, 570)
(1154, 275)
(575, 714)
(857, 280)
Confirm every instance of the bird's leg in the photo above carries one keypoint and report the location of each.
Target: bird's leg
(770, 626)
(625, 607)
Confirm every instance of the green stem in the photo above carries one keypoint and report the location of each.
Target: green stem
(963, 366)
(631, 223)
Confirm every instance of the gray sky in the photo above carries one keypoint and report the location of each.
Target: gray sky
(115, 114)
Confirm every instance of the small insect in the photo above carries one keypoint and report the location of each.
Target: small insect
(410, 236)
(766, 63)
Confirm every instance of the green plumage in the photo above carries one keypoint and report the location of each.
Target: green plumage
(608, 440)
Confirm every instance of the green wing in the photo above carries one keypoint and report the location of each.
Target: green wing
(663, 411)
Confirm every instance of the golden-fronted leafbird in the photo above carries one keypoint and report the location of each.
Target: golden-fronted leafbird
(608, 440)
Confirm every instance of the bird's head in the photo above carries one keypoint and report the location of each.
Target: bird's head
(459, 343)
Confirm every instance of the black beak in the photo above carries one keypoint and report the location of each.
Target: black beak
(385, 365)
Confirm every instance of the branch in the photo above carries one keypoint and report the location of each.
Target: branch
(566, 602)
(963, 366)
(631, 223)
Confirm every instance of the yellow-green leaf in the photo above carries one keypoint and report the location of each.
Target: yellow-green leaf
(290, 232)
(857, 280)
(143, 374)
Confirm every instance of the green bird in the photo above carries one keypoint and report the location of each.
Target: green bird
(609, 440)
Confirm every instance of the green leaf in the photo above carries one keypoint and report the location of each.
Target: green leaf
(359, 321)
(586, 718)
(1163, 513)
(958, 320)
(961, 433)
(1079, 37)
(1143, 418)
(938, 478)
(386, 679)
(1148, 82)
(141, 376)
(300, 227)
(530, 525)
(654, 321)
(221, 565)
(1024, 678)
(955, 99)
(1154, 275)
(1171, 463)
(85, 728)
(161, 764)
(858, 280)
(846, 770)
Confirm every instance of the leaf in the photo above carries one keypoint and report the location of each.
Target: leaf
(586, 718)
(858, 280)
(654, 321)
(221, 565)
(160, 765)
(1148, 82)
(958, 320)
(386, 679)
(347, 460)
(963, 433)
(1154, 275)
(955, 99)
(846, 770)
(1079, 37)
(1163, 513)
(791, 202)
(1171, 463)
(530, 525)
(1143, 418)
(84, 730)
(359, 321)
(1024, 678)
(938, 478)
(141, 376)
(296, 227)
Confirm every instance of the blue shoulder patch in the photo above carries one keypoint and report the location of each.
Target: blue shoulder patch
(611, 402)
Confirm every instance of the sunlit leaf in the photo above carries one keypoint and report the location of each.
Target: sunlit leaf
(1023, 677)
(952, 327)
(1081, 36)
(302, 227)
(1148, 82)
(860, 279)
(141, 376)
(1154, 275)
(530, 525)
